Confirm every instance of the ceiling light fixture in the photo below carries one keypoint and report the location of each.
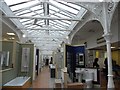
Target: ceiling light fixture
(24, 35)
(12, 38)
(59, 45)
(12, 34)
(112, 47)
(67, 37)
(100, 0)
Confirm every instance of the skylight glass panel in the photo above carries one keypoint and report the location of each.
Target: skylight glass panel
(22, 20)
(29, 31)
(9, 2)
(36, 7)
(75, 6)
(32, 26)
(61, 22)
(53, 8)
(58, 25)
(39, 11)
(53, 33)
(23, 5)
(25, 11)
(28, 22)
(70, 4)
(52, 22)
(61, 15)
(36, 15)
(54, 27)
(52, 12)
(53, 16)
(39, 21)
(27, 26)
(64, 7)
(32, 34)
(42, 14)
(37, 27)
(65, 14)
(28, 14)
(36, 34)
(66, 21)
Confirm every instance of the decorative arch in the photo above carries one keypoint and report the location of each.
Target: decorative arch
(116, 7)
(93, 21)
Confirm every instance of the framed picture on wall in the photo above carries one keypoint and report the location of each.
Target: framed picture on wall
(4, 58)
(81, 59)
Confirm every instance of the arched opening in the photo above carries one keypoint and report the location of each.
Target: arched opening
(88, 33)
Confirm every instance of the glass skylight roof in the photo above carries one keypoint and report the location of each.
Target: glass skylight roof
(41, 31)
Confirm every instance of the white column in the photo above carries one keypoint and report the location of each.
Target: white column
(110, 84)
(0, 46)
(107, 35)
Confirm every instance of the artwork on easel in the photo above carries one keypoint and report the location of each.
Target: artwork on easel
(25, 59)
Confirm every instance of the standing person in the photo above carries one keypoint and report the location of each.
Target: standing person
(95, 63)
(47, 62)
(106, 68)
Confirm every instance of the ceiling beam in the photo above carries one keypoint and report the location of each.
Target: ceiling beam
(43, 17)
(50, 29)
(44, 37)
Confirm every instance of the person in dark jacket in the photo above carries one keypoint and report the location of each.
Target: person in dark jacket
(106, 68)
(95, 63)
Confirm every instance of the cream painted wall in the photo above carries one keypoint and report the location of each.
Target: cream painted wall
(116, 57)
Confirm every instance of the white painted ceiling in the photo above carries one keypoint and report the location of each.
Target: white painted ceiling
(89, 29)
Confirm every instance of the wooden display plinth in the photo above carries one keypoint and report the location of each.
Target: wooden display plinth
(75, 85)
(57, 83)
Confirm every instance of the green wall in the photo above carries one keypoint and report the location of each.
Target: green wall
(8, 46)
(12, 73)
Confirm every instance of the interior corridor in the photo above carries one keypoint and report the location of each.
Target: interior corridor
(43, 80)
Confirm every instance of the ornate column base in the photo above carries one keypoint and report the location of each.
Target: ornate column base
(110, 84)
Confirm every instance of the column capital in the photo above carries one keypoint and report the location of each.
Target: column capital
(107, 36)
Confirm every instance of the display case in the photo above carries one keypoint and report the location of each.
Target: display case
(75, 58)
